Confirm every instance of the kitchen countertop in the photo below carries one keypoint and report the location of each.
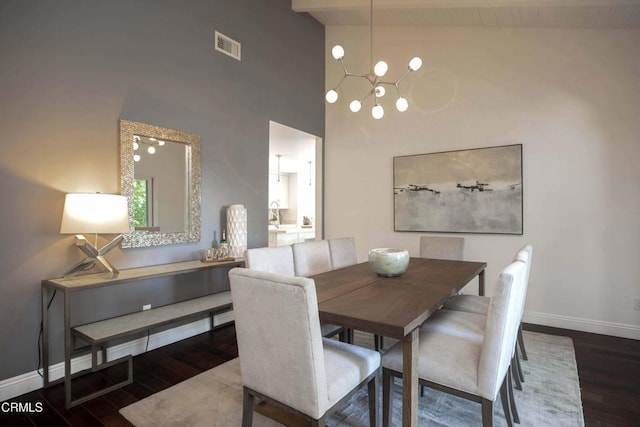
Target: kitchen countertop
(290, 228)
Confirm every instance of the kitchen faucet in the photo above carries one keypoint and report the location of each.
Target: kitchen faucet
(276, 213)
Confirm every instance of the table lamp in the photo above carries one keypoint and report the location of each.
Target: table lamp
(98, 214)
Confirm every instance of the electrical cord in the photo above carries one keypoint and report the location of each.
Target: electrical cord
(40, 336)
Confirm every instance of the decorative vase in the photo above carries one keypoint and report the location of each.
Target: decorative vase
(237, 230)
(389, 262)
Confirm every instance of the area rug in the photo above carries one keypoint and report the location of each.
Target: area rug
(550, 396)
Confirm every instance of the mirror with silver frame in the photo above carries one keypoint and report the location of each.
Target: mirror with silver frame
(160, 176)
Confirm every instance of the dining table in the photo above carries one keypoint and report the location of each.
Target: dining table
(355, 297)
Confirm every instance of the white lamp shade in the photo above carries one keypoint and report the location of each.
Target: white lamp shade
(380, 69)
(415, 63)
(95, 213)
(377, 112)
(355, 105)
(332, 96)
(402, 104)
(337, 52)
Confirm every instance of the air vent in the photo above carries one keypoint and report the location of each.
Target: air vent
(227, 45)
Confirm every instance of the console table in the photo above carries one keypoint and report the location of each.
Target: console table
(98, 333)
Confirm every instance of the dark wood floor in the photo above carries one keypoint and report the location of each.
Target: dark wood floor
(609, 370)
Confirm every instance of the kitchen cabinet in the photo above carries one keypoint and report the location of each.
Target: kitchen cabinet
(285, 237)
(279, 190)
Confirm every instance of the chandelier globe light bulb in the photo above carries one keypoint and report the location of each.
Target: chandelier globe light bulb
(136, 157)
(332, 96)
(377, 112)
(380, 68)
(415, 64)
(402, 104)
(136, 145)
(355, 106)
(151, 150)
(380, 91)
(337, 52)
(160, 142)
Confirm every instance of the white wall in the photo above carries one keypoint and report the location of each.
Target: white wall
(571, 97)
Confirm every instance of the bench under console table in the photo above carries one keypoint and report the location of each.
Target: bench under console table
(98, 333)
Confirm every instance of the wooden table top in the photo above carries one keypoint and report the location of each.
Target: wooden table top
(357, 298)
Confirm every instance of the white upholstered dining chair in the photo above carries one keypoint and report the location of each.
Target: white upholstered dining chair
(475, 369)
(279, 260)
(480, 305)
(283, 358)
(312, 257)
(343, 252)
(274, 259)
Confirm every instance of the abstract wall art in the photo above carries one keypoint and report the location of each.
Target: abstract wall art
(466, 191)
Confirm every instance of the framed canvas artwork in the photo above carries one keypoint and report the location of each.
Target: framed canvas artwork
(465, 191)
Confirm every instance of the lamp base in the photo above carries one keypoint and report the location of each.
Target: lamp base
(94, 256)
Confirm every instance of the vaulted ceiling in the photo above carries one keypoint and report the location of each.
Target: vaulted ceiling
(477, 13)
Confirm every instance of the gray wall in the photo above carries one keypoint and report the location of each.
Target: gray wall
(71, 69)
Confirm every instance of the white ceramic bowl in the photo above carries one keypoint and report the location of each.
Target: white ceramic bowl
(389, 262)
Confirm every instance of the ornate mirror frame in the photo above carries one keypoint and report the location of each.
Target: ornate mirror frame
(140, 239)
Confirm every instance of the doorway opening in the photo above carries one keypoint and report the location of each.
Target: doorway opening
(295, 211)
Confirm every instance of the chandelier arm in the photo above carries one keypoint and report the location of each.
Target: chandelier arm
(340, 83)
(406, 73)
(364, 76)
(344, 67)
(380, 82)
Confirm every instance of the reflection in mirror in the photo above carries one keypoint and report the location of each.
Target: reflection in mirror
(160, 176)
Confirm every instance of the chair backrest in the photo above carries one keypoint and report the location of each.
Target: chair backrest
(501, 330)
(440, 247)
(275, 260)
(313, 257)
(279, 339)
(524, 255)
(343, 252)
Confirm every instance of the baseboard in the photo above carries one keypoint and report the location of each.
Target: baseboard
(31, 381)
(585, 325)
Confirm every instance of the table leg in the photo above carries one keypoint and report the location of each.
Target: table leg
(481, 283)
(410, 379)
(67, 351)
(45, 336)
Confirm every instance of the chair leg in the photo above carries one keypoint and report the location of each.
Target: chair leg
(512, 399)
(247, 408)
(487, 413)
(373, 401)
(505, 402)
(387, 381)
(518, 366)
(515, 376)
(521, 343)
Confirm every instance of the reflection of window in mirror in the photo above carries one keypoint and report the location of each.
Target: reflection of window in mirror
(143, 204)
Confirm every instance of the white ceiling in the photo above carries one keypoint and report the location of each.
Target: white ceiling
(294, 146)
(478, 13)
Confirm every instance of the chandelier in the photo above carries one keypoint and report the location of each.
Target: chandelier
(374, 77)
(143, 141)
